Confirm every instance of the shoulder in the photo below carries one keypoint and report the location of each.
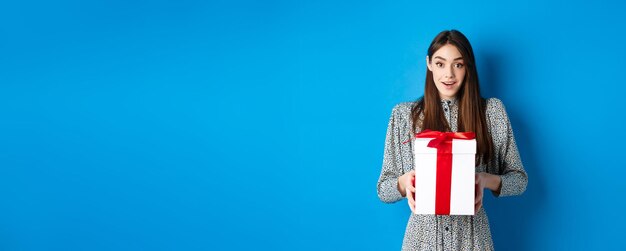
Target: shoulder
(497, 119)
(495, 107)
(494, 104)
(402, 109)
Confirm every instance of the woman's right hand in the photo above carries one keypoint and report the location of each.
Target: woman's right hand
(406, 187)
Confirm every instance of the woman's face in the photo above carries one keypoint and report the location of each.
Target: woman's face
(448, 70)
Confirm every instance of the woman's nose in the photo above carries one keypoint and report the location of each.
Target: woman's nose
(450, 72)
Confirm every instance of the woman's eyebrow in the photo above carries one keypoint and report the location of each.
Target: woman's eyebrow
(459, 58)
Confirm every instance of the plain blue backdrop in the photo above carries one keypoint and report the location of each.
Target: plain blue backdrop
(237, 125)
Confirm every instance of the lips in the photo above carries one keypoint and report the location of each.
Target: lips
(449, 83)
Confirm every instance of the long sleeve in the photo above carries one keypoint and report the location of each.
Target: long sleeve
(392, 167)
(510, 168)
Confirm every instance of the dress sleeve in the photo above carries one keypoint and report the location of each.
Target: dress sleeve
(392, 168)
(510, 168)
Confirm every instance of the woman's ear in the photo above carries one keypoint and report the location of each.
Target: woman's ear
(428, 63)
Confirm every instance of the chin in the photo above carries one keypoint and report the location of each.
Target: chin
(449, 94)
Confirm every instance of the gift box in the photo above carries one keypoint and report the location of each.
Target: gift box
(444, 165)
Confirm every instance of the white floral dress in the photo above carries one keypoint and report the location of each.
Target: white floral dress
(450, 232)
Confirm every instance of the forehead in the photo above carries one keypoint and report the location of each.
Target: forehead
(448, 52)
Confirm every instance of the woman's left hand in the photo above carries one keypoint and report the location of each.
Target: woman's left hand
(485, 180)
(479, 187)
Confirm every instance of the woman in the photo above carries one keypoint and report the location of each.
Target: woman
(451, 102)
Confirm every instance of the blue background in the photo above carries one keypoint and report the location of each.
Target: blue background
(231, 125)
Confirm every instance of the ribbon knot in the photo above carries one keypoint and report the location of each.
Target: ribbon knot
(440, 137)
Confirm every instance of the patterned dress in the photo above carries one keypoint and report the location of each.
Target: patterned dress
(450, 232)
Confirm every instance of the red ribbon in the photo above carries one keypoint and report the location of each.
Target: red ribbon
(443, 142)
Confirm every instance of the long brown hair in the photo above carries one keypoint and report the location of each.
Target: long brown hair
(471, 104)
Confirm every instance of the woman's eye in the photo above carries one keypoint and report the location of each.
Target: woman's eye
(458, 65)
(439, 64)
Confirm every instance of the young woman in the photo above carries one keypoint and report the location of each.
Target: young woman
(451, 102)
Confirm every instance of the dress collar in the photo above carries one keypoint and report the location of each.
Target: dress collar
(451, 101)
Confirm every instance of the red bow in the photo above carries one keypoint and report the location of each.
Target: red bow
(442, 136)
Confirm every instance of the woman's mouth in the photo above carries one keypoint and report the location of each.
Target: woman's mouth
(448, 84)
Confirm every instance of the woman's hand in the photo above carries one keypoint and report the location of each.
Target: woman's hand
(406, 187)
(479, 187)
(485, 180)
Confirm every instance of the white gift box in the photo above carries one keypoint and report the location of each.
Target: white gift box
(431, 199)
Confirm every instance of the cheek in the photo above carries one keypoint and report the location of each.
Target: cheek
(460, 73)
(436, 74)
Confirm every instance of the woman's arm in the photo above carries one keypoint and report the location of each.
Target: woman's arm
(510, 168)
(387, 186)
